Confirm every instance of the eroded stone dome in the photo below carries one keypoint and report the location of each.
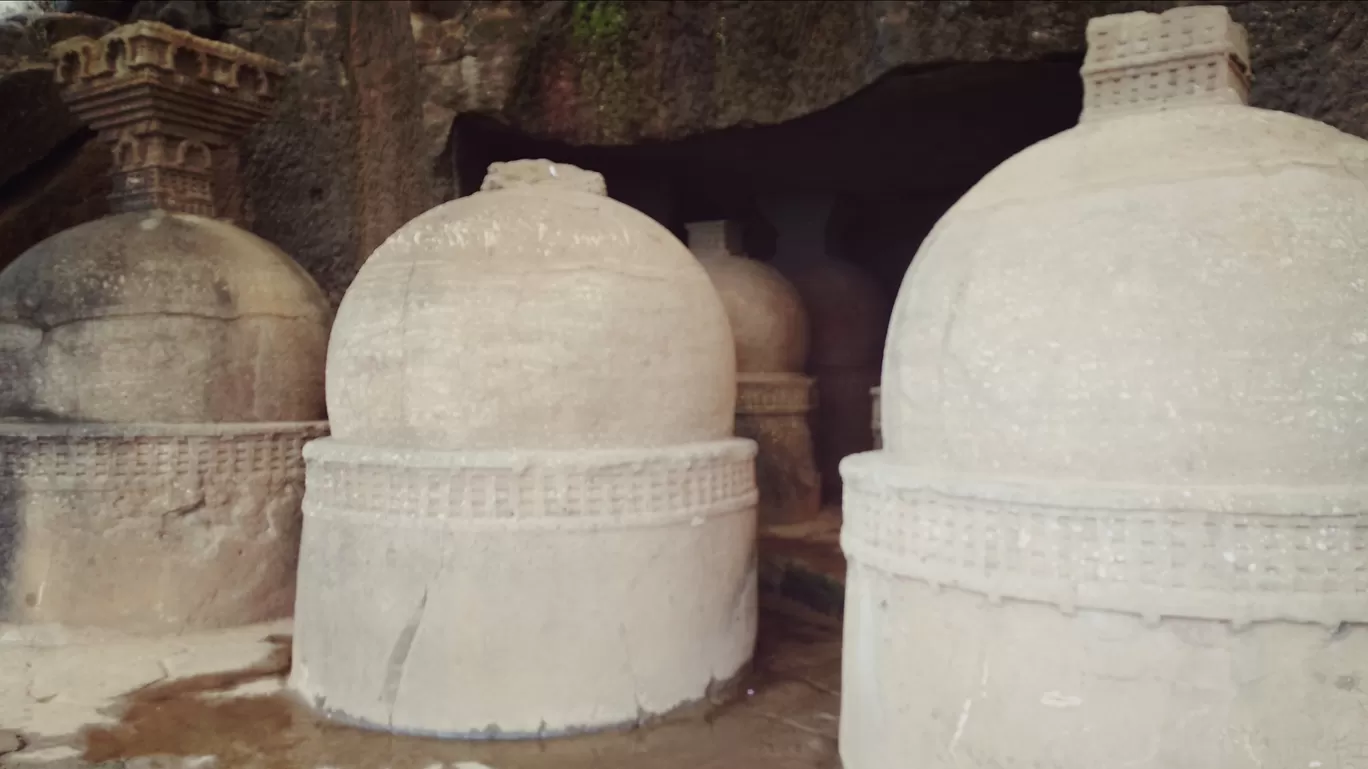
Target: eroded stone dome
(160, 317)
(1124, 438)
(532, 491)
(1172, 296)
(765, 310)
(539, 316)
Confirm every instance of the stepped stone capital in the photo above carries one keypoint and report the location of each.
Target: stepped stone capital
(165, 100)
(1144, 61)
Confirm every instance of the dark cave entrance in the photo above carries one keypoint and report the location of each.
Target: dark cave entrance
(891, 159)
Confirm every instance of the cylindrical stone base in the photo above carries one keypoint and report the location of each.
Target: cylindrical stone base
(150, 528)
(995, 624)
(773, 411)
(522, 594)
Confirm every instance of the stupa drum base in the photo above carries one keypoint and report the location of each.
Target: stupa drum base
(563, 591)
(180, 526)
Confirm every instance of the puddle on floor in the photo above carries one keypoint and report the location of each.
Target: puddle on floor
(780, 716)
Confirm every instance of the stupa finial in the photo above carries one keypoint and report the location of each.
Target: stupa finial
(1149, 61)
(716, 236)
(524, 173)
(165, 100)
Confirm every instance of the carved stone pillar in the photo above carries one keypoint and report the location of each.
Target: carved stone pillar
(167, 102)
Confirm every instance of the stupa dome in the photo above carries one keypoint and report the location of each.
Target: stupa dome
(1177, 295)
(531, 316)
(532, 492)
(161, 317)
(765, 310)
(1124, 439)
(847, 314)
(773, 398)
(846, 307)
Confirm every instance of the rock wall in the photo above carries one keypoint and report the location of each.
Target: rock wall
(52, 175)
(362, 141)
(335, 172)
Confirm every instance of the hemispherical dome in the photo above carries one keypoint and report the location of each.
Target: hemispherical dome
(1168, 296)
(764, 309)
(849, 313)
(160, 317)
(847, 310)
(539, 316)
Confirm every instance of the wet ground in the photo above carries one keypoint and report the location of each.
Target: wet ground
(216, 701)
(803, 563)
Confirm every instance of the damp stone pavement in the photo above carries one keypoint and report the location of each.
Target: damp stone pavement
(216, 700)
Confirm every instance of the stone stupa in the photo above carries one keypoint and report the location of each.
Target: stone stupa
(1120, 517)
(847, 316)
(531, 518)
(160, 370)
(774, 397)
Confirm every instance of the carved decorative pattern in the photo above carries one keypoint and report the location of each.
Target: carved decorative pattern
(165, 100)
(1143, 60)
(774, 394)
(155, 48)
(1203, 562)
(552, 489)
(57, 458)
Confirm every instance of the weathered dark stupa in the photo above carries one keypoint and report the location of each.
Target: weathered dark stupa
(160, 369)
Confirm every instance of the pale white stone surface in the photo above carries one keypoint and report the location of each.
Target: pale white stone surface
(531, 519)
(531, 317)
(10, 8)
(1119, 515)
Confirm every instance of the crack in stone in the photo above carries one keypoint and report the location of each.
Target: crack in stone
(394, 673)
(50, 326)
(642, 713)
(184, 510)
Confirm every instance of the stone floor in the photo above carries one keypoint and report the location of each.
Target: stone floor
(73, 700)
(803, 563)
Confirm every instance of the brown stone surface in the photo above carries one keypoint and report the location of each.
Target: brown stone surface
(156, 317)
(774, 399)
(49, 178)
(165, 101)
(847, 313)
(72, 187)
(802, 563)
(34, 122)
(150, 528)
(362, 142)
(160, 314)
(10, 741)
(159, 370)
(338, 168)
(620, 72)
(773, 410)
(393, 185)
(766, 312)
